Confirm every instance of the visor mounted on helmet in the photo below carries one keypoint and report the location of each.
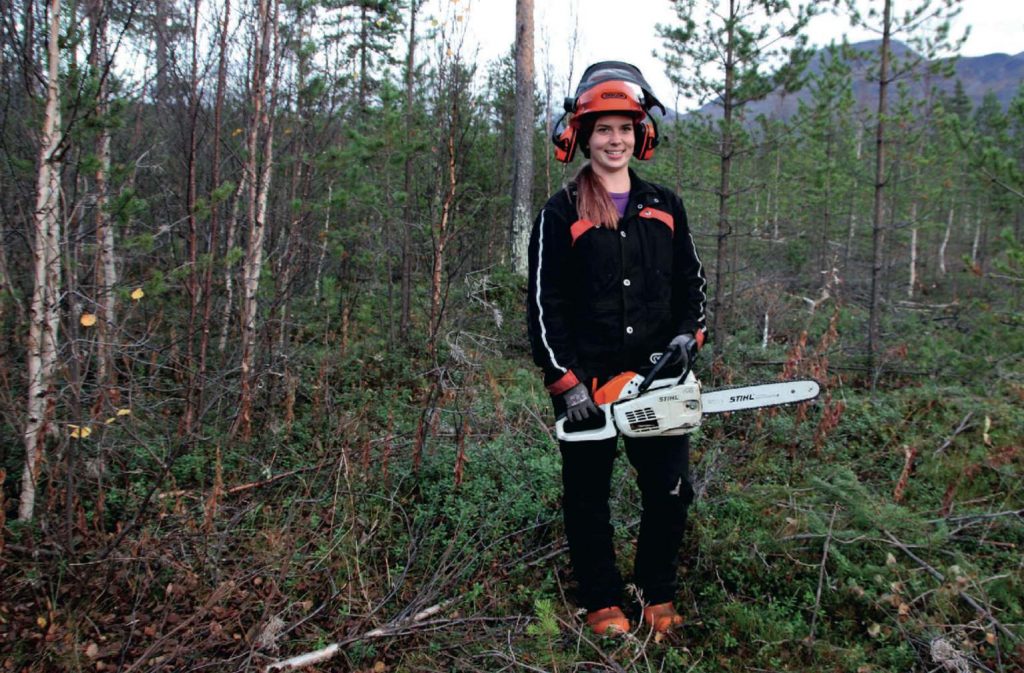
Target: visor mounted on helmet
(608, 87)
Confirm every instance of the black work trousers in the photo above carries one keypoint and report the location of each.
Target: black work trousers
(662, 467)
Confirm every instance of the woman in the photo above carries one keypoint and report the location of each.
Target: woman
(615, 280)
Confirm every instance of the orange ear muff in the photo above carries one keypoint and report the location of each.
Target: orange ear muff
(565, 144)
(646, 140)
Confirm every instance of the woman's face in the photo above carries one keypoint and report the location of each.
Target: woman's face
(611, 143)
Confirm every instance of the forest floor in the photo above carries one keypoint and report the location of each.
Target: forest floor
(877, 529)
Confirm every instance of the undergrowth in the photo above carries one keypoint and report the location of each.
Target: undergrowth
(878, 529)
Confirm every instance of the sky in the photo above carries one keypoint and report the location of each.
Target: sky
(625, 30)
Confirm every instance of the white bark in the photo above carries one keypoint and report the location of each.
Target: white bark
(913, 263)
(912, 281)
(945, 242)
(974, 244)
(259, 187)
(43, 316)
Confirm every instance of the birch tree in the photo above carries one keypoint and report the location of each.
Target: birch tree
(44, 312)
(259, 160)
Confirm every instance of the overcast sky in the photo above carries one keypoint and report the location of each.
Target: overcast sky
(625, 30)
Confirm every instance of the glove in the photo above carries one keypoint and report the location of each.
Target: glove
(686, 345)
(578, 405)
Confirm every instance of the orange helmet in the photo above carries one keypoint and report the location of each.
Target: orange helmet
(608, 87)
(613, 96)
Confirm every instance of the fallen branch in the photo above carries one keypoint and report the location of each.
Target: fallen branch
(393, 628)
(180, 493)
(964, 596)
(821, 571)
(959, 429)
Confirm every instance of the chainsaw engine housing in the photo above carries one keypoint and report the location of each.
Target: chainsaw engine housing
(670, 410)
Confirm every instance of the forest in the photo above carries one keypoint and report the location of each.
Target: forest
(268, 401)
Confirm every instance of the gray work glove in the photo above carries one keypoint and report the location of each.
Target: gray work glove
(686, 345)
(578, 405)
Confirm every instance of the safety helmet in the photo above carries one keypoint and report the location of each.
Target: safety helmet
(608, 87)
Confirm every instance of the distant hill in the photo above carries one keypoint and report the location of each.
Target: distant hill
(1001, 74)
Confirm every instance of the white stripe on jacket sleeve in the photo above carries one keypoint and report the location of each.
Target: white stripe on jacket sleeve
(540, 306)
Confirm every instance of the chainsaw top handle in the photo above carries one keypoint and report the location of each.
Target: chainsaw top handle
(668, 356)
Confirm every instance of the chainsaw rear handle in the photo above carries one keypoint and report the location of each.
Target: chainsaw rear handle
(665, 358)
(605, 431)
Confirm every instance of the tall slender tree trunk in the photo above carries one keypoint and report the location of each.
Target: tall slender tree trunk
(912, 279)
(441, 241)
(408, 210)
(191, 194)
(522, 184)
(945, 241)
(44, 312)
(852, 229)
(720, 333)
(878, 222)
(218, 111)
(259, 185)
(106, 270)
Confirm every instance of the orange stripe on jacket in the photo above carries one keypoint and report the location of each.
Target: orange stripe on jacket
(580, 227)
(661, 216)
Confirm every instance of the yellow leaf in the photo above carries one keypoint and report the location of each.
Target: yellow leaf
(41, 621)
(109, 421)
(874, 630)
(124, 412)
(236, 132)
(984, 433)
(379, 667)
(80, 432)
(88, 319)
(138, 294)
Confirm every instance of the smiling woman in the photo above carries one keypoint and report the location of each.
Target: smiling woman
(614, 281)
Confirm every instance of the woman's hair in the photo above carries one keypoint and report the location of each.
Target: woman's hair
(593, 202)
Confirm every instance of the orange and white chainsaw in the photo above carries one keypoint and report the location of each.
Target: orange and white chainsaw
(646, 406)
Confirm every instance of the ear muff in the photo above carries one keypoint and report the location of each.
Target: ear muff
(565, 142)
(646, 139)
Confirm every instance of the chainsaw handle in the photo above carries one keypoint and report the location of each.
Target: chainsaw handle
(665, 358)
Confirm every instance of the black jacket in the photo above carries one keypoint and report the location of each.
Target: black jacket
(603, 301)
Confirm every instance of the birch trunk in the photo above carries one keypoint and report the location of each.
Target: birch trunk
(43, 315)
(440, 241)
(913, 263)
(945, 242)
(259, 187)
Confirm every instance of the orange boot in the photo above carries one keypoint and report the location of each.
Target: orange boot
(662, 617)
(608, 621)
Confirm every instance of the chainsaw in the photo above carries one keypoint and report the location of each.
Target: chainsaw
(648, 406)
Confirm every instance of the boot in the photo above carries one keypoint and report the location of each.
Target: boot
(608, 621)
(662, 617)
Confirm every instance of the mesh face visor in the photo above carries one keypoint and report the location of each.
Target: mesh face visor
(617, 70)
